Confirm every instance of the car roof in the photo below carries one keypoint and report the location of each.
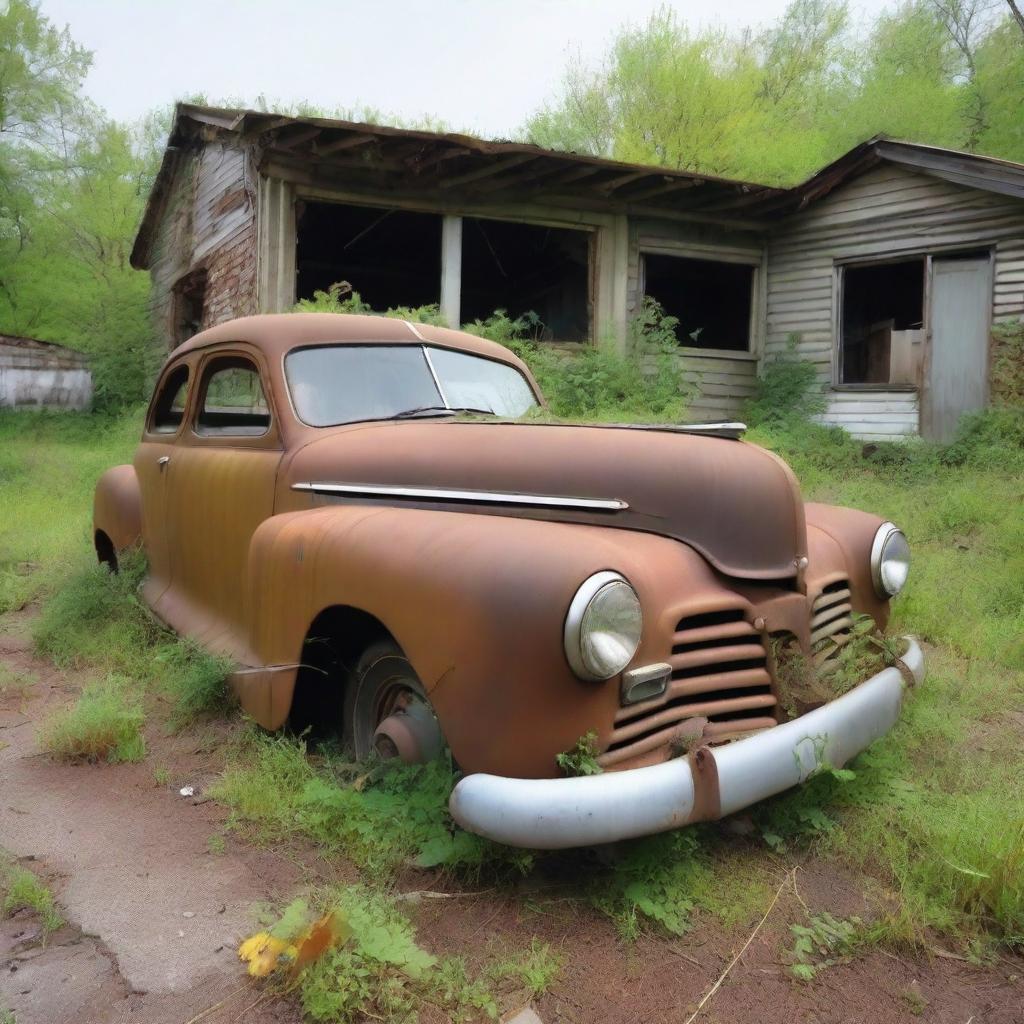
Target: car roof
(278, 333)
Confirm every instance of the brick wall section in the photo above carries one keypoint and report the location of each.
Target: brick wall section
(231, 282)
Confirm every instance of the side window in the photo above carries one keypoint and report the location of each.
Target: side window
(233, 400)
(170, 402)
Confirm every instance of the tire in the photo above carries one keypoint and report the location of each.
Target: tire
(383, 683)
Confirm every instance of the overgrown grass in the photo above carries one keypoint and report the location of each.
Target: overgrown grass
(49, 463)
(21, 889)
(381, 817)
(104, 724)
(95, 618)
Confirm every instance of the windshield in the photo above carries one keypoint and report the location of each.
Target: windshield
(337, 384)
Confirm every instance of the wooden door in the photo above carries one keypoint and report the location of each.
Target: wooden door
(957, 377)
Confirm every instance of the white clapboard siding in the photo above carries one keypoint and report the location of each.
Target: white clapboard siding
(873, 415)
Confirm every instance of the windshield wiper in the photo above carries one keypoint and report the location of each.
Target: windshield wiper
(439, 410)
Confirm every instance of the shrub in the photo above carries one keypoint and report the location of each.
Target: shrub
(104, 724)
(1008, 363)
(787, 390)
(340, 298)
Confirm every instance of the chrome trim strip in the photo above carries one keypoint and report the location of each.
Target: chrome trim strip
(473, 497)
(433, 373)
(732, 429)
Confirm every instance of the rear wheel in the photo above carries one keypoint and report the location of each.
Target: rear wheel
(386, 708)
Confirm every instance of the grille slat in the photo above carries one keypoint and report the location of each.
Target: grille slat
(831, 617)
(719, 673)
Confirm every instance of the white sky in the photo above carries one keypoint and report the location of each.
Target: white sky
(480, 65)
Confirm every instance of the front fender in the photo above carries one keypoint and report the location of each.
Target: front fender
(117, 507)
(848, 536)
(478, 605)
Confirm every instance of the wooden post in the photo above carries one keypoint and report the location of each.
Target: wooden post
(451, 270)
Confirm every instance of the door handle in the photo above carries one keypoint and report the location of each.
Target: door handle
(162, 462)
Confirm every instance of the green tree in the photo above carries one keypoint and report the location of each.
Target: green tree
(776, 105)
(41, 73)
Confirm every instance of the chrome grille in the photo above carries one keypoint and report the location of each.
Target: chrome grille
(831, 618)
(719, 673)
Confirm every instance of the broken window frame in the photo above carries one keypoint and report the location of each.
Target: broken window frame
(839, 268)
(715, 254)
(279, 234)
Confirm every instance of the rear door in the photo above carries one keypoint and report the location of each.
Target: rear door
(224, 475)
(961, 302)
(165, 421)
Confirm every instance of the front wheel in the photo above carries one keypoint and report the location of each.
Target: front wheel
(386, 708)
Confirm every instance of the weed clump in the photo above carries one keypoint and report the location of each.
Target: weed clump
(95, 617)
(104, 724)
(194, 679)
(360, 959)
(20, 889)
(381, 816)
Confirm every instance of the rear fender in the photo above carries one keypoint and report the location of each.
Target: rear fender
(117, 508)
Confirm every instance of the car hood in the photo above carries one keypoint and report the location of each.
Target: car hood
(736, 504)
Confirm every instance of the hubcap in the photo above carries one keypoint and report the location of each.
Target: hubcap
(406, 727)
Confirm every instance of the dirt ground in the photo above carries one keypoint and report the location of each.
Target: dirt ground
(155, 916)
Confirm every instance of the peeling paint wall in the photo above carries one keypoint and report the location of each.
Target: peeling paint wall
(34, 375)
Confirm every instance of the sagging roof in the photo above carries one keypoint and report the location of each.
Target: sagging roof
(403, 161)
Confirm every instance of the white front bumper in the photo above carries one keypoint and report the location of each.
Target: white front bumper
(551, 814)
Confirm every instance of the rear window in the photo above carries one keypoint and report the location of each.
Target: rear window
(233, 400)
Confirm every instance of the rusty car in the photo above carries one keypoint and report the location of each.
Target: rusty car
(378, 525)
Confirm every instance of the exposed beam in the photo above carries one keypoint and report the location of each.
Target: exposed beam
(527, 177)
(347, 142)
(438, 157)
(623, 179)
(487, 170)
(667, 185)
(296, 138)
(575, 174)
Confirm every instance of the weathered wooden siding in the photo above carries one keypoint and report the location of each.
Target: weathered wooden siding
(722, 381)
(209, 223)
(885, 213)
(874, 415)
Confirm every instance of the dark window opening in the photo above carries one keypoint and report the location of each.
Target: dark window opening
(527, 268)
(233, 402)
(711, 299)
(171, 399)
(189, 303)
(883, 314)
(390, 257)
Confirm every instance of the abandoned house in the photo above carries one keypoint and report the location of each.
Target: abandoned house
(41, 375)
(887, 269)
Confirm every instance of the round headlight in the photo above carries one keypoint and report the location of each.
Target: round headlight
(890, 560)
(602, 629)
